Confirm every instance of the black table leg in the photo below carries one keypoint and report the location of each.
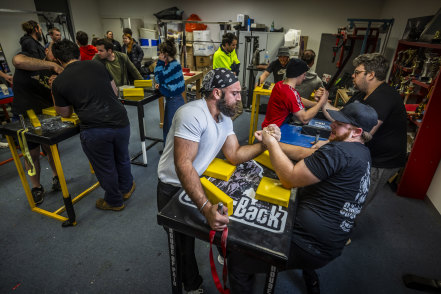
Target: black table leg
(271, 278)
(175, 267)
(143, 137)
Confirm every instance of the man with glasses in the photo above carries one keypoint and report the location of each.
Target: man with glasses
(389, 144)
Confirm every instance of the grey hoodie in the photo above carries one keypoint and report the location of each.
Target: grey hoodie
(312, 82)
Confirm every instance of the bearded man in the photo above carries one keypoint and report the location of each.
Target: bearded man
(333, 182)
(200, 129)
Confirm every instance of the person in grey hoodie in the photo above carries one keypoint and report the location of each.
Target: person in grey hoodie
(312, 82)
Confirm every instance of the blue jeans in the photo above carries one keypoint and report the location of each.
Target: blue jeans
(171, 105)
(108, 151)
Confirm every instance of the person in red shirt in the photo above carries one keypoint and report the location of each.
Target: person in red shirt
(285, 99)
(87, 52)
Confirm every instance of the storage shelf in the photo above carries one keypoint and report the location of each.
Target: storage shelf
(421, 84)
(420, 44)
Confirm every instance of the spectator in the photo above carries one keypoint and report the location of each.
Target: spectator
(87, 51)
(117, 63)
(132, 50)
(115, 43)
(312, 82)
(169, 78)
(55, 35)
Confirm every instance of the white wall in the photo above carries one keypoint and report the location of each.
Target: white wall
(10, 26)
(434, 191)
(86, 17)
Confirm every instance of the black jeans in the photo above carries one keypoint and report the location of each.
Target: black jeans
(242, 268)
(184, 244)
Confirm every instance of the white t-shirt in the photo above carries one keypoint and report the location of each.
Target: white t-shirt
(194, 122)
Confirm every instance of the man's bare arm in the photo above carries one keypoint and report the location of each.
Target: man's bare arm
(185, 152)
(290, 175)
(296, 153)
(24, 62)
(237, 154)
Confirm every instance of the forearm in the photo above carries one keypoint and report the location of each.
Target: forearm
(325, 107)
(245, 153)
(309, 114)
(28, 63)
(308, 103)
(296, 153)
(281, 163)
(191, 183)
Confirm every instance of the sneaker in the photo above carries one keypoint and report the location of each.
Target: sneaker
(102, 204)
(220, 259)
(38, 194)
(128, 194)
(56, 184)
(3, 145)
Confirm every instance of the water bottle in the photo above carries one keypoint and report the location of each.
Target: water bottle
(152, 77)
(266, 57)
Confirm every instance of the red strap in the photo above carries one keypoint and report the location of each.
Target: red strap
(222, 290)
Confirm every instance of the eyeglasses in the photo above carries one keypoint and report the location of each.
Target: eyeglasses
(356, 72)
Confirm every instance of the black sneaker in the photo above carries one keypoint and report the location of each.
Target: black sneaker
(38, 194)
(56, 184)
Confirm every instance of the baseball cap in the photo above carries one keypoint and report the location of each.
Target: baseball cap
(296, 67)
(283, 51)
(218, 78)
(357, 114)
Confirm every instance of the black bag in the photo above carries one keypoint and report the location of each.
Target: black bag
(170, 13)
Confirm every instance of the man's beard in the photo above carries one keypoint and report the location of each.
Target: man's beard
(39, 37)
(340, 138)
(224, 108)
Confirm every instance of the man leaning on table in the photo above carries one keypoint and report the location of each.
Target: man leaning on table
(333, 181)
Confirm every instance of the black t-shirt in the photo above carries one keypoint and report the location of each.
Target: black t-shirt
(86, 86)
(277, 70)
(389, 144)
(326, 211)
(31, 90)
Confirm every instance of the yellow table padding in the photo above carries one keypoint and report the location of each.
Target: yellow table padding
(264, 159)
(34, 119)
(133, 92)
(73, 119)
(271, 190)
(220, 169)
(215, 195)
(49, 111)
(142, 83)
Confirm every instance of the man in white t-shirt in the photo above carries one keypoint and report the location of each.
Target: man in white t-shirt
(200, 129)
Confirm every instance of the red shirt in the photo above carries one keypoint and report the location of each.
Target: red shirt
(88, 52)
(284, 100)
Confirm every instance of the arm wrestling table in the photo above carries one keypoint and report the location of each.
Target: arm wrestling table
(149, 96)
(52, 131)
(257, 228)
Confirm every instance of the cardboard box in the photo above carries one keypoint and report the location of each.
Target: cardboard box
(204, 61)
(190, 58)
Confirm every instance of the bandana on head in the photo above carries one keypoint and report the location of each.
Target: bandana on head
(218, 78)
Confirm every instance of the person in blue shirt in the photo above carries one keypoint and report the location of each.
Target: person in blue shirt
(170, 82)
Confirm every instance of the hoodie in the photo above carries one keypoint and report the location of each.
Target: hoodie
(312, 82)
(32, 47)
(88, 52)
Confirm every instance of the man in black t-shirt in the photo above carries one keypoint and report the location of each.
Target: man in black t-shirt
(88, 88)
(389, 144)
(32, 91)
(277, 67)
(335, 183)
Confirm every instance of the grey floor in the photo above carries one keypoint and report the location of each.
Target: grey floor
(126, 252)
